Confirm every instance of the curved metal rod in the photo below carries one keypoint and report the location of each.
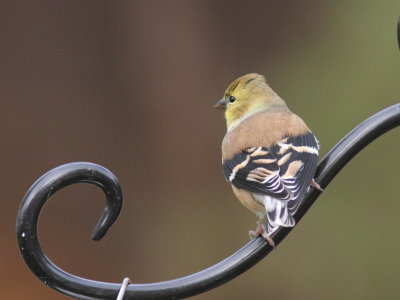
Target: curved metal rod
(398, 32)
(190, 285)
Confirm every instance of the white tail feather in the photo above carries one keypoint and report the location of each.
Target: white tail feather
(277, 212)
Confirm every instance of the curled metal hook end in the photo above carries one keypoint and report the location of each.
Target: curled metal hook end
(43, 189)
(105, 222)
(99, 232)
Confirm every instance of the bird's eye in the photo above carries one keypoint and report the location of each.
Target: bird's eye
(232, 99)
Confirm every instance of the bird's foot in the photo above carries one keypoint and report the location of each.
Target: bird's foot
(315, 185)
(262, 230)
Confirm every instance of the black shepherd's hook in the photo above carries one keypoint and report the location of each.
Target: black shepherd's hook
(191, 285)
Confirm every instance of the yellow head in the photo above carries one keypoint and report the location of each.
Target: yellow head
(247, 95)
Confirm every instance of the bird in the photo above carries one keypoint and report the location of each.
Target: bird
(269, 155)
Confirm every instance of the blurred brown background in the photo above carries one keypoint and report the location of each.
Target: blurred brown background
(130, 85)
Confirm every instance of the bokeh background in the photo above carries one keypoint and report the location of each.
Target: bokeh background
(130, 85)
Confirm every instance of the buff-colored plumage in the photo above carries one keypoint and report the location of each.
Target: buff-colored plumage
(268, 153)
(275, 125)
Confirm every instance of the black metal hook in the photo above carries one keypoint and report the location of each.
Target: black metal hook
(398, 32)
(191, 285)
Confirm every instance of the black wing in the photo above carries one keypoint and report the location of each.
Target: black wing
(283, 171)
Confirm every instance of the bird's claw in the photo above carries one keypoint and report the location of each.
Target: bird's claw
(262, 230)
(315, 185)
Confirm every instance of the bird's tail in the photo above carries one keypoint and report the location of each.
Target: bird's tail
(278, 214)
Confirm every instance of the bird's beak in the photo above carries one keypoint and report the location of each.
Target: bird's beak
(221, 104)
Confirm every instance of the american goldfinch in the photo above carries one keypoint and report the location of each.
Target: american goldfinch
(269, 155)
